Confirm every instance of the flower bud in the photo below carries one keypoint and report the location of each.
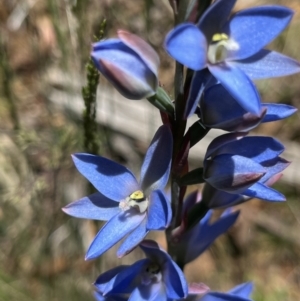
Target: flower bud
(129, 63)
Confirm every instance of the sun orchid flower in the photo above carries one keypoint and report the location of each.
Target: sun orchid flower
(244, 165)
(218, 109)
(198, 239)
(232, 48)
(129, 63)
(156, 277)
(131, 208)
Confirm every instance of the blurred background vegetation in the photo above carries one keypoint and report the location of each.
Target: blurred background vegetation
(41, 249)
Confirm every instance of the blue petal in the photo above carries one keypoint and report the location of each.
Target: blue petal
(174, 280)
(95, 206)
(99, 297)
(243, 290)
(124, 68)
(237, 83)
(159, 211)
(126, 281)
(113, 180)
(278, 111)
(220, 110)
(267, 64)
(254, 28)
(157, 162)
(232, 173)
(215, 198)
(263, 192)
(152, 292)
(218, 143)
(216, 296)
(133, 239)
(258, 148)
(113, 231)
(102, 281)
(199, 81)
(187, 45)
(204, 234)
(274, 167)
(215, 17)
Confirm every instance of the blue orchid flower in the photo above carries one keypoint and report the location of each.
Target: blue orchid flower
(131, 208)
(241, 292)
(244, 165)
(218, 109)
(129, 63)
(156, 277)
(231, 48)
(195, 241)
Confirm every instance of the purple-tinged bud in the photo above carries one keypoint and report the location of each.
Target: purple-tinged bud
(129, 63)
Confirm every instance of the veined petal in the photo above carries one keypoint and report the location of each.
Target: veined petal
(113, 231)
(106, 277)
(125, 281)
(277, 111)
(152, 292)
(215, 17)
(174, 279)
(187, 45)
(273, 167)
(243, 290)
(206, 234)
(95, 206)
(254, 28)
(199, 80)
(157, 162)
(267, 64)
(220, 110)
(237, 83)
(263, 192)
(113, 180)
(133, 239)
(258, 148)
(131, 83)
(142, 48)
(232, 173)
(159, 211)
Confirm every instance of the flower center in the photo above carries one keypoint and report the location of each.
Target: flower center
(219, 47)
(152, 274)
(136, 200)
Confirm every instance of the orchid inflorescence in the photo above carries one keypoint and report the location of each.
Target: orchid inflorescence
(223, 53)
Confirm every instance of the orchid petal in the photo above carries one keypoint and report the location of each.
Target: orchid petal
(157, 162)
(95, 206)
(175, 282)
(263, 192)
(142, 48)
(153, 292)
(199, 80)
(278, 111)
(268, 64)
(113, 231)
(159, 211)
(133, 239)
(187, 45)
(216, 296)
(258, 148)
(237, 83)
(232, 173)
(254, 28)
(274, 167)
(215, 17)
(243, 290)
(113, 180)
